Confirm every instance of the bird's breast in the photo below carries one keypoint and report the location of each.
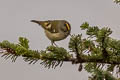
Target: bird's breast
(55, 36)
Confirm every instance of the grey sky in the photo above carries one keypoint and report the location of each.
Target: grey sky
(15, 16)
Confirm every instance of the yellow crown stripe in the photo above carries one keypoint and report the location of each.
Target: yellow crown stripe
(68, 26)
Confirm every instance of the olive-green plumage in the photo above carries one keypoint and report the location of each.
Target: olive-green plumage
(55, 30)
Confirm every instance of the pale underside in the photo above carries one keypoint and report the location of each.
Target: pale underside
(55, 36)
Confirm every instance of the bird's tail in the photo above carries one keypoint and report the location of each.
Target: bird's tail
(35, 21)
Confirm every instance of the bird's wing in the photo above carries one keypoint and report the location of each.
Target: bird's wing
(47, 25)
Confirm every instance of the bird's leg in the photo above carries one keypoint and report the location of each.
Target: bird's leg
(53, 43)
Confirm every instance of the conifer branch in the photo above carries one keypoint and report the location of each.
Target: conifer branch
(117, 1)
(95, 50)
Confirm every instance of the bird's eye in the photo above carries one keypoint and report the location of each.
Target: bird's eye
(67, 26)
(64, 28)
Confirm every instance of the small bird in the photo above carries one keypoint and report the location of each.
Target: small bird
(55, 30)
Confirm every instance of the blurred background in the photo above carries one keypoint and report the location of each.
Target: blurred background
(15, 16)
